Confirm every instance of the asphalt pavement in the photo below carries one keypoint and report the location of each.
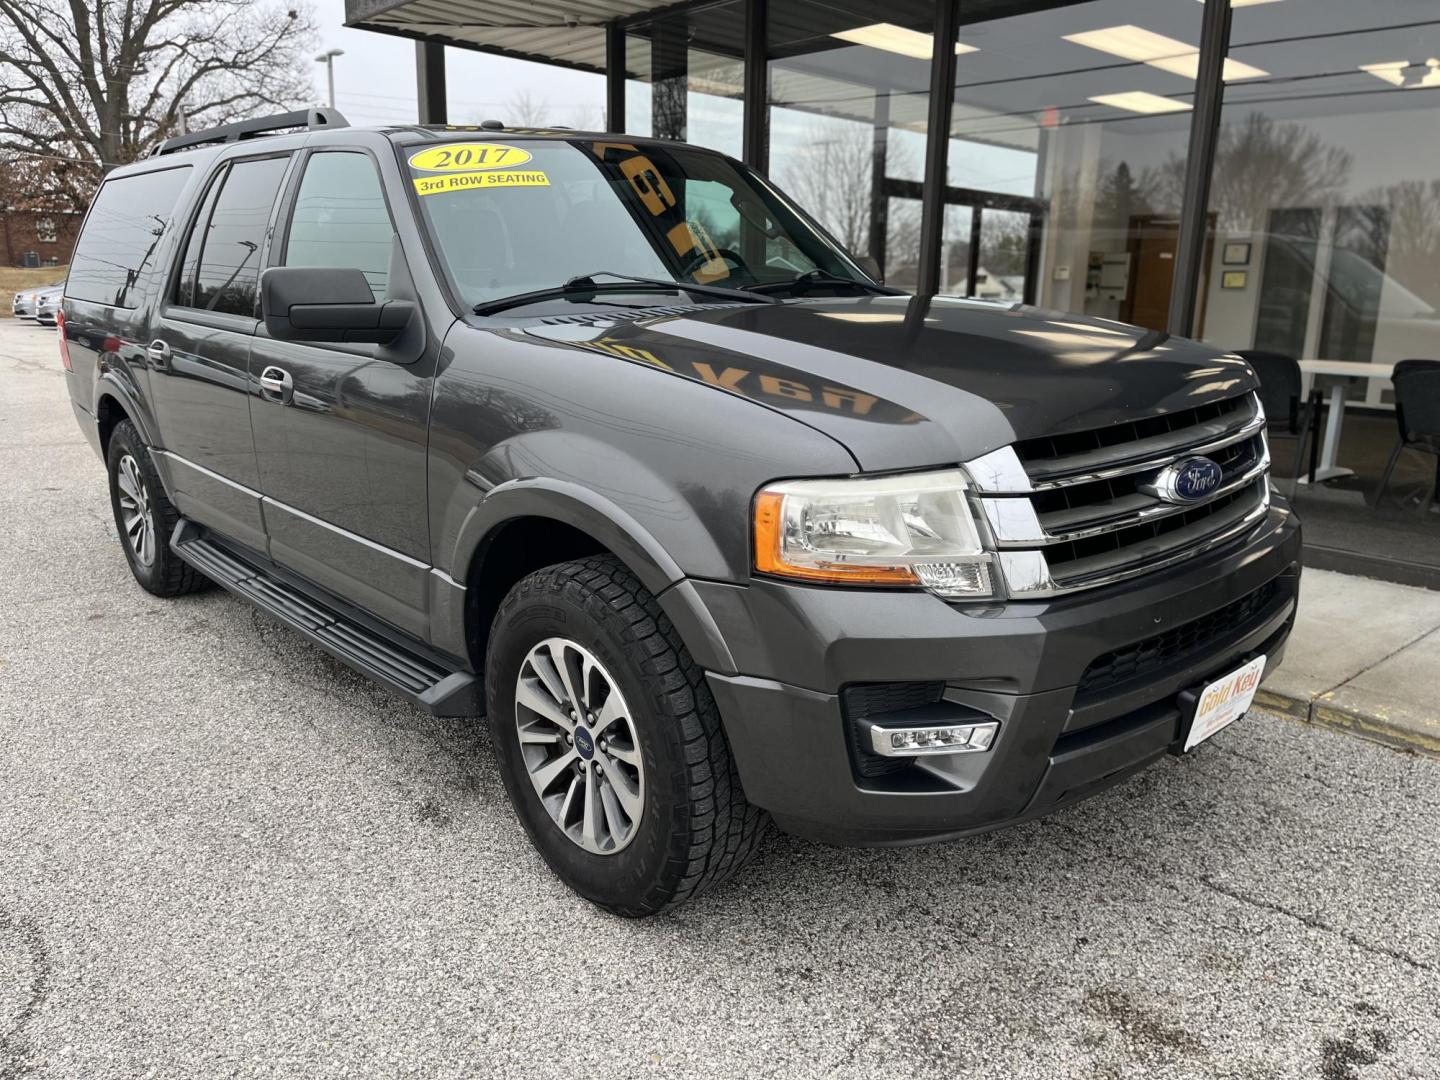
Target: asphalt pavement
(223, 854)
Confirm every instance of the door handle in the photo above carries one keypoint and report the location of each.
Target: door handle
(158, 354)
(277, 385)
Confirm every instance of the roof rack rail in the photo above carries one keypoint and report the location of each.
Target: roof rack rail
(311, 119)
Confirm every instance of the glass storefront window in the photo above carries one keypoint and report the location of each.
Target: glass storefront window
(1325, 244)
(849, 97)
(687, 77)
(1067, 152)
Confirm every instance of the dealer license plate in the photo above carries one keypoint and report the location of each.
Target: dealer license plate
(1224, 701)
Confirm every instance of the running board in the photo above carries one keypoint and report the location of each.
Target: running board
(424, 681)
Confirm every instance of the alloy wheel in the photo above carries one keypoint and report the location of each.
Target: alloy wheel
(579, 745)
(135, 512)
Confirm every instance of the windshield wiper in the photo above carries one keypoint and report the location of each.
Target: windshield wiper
(584, 284)
(821, 277)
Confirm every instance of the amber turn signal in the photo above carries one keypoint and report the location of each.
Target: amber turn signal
(770, 558)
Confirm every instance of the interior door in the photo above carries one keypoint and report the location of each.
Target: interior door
(199, 352)
(1153, 242)
(341, 450)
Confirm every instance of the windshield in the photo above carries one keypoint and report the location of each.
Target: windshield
(511, 218)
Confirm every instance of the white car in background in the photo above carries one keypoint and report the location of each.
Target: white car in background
(47, 303)
(27, 301)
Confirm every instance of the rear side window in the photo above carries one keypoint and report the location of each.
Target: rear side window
(340, 219)
(115, 255)
(222, 260)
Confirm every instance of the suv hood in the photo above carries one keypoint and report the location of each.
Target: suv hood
(906, 382)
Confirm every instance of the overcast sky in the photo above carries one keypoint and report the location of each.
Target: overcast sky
(375, 79)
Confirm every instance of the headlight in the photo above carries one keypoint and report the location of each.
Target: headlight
(901, 530)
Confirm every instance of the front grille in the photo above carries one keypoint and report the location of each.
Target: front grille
(1177, 644)
(1070, 512)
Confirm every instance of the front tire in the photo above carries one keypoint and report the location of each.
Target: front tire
(145, 517)
(609, 742)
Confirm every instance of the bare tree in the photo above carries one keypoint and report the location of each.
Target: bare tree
(99, 82)
(587, 118)
(830, 173)
(1261, 164)
(525, 110)
(1403, 223)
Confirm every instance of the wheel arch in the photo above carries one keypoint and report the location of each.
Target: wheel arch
(523, 525)
(114, 402)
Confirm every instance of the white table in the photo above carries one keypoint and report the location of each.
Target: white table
(1328, 468)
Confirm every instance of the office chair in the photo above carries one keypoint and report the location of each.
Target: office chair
(1286, 414)
(1417, 413)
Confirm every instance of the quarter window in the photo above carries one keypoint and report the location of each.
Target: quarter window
(340, 219)
(116, 252)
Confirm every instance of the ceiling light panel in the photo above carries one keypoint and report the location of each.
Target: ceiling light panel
(1165, 53)
(1139, 101)
(898, 39)
(1407, 74)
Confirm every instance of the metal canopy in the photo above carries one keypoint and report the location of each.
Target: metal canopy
(570, 33)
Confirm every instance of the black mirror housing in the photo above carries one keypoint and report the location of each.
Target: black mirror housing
(317, 303)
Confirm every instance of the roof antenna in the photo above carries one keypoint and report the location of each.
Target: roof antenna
(491, 125)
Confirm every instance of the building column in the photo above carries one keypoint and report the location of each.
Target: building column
(756, 136)
(670, 78)
(430, 82)
(615, 76)
(879, 197)
(1199, 161)
(937, 144)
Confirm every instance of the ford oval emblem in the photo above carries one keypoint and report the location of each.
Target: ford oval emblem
(1190, 480)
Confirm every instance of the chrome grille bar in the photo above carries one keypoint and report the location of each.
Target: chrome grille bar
(1064, 526)
(1056, 535)
(1028, 575)
(1002, 473)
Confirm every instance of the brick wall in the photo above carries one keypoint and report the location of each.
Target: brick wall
(50, 234)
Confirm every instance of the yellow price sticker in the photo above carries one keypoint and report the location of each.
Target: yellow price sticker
(438, 185)
(469, 157)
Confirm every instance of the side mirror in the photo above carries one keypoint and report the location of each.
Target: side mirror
(309, 303)
(871, 266)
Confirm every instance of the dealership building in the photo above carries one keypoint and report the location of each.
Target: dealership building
(1259, 174)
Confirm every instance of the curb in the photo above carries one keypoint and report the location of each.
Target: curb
(1398, 730)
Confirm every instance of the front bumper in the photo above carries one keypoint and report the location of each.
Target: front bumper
(1021, 663)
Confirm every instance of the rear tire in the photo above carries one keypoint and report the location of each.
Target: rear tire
(145, 517)
(667, 753)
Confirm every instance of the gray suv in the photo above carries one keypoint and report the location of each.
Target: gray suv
(604, 438)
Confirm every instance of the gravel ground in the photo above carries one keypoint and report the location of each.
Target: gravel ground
(223, 854)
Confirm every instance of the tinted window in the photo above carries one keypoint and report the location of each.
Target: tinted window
(185, 287)
(234, 234)
(115, 255)
(340, 219)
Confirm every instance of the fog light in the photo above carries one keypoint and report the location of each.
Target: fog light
(944, 739)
